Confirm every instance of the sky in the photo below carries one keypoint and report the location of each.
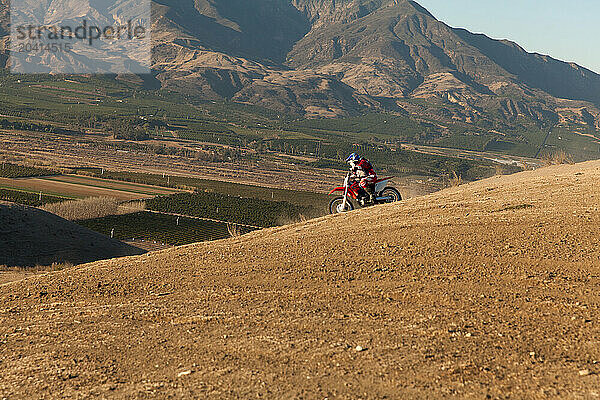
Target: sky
(566, 30)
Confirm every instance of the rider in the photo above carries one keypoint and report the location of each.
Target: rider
(362, 170)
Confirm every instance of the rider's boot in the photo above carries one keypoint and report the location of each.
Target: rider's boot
(363, 195)
(371, 194)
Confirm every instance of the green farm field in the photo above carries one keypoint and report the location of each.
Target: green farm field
(29, 198)
(297, 197)
(232, 209)
(167, 229)
(10, 170)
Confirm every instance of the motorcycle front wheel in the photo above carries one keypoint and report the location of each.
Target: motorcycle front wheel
(336, 206)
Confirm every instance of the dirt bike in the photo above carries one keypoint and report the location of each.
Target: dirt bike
(351, 192)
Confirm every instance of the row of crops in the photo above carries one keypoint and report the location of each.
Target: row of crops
(302, 198)
(248, 211)
(214, 200)
(9, 170)
(28, 199)
(29, 126)
(161, 228)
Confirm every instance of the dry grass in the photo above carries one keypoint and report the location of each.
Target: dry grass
(38, 268)
(132, 207)
(93, 207)
(455, 180)
(498, 169)
(234, 230)
(290, 220)
(187, 188)
(558, 157)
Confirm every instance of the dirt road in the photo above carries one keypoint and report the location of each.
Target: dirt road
(485, 290)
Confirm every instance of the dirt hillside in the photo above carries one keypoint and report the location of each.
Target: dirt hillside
(30, 237)
(484, 290)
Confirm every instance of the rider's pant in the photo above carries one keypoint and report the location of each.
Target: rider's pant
(368, 182)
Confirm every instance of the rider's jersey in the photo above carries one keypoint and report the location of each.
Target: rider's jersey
(364, 169)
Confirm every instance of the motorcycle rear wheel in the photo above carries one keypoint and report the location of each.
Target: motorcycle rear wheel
(336, 205)
(392, 193)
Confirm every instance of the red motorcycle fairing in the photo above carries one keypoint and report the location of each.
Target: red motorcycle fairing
(352, 190)
(337, 189)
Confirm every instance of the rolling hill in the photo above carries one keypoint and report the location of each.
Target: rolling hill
(487, 289)
(32, 237)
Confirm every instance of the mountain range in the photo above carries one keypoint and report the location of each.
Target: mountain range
(335, 58)
(327, 58)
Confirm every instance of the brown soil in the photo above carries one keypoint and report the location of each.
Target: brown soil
(485, 290)
(14, 276)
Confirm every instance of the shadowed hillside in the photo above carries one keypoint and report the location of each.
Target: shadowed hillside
(487, 289)
(558, 78)
(31, 237)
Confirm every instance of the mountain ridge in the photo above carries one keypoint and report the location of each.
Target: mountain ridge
(378, 49)
(332, 58)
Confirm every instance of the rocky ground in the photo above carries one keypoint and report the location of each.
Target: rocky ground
(484, 290)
